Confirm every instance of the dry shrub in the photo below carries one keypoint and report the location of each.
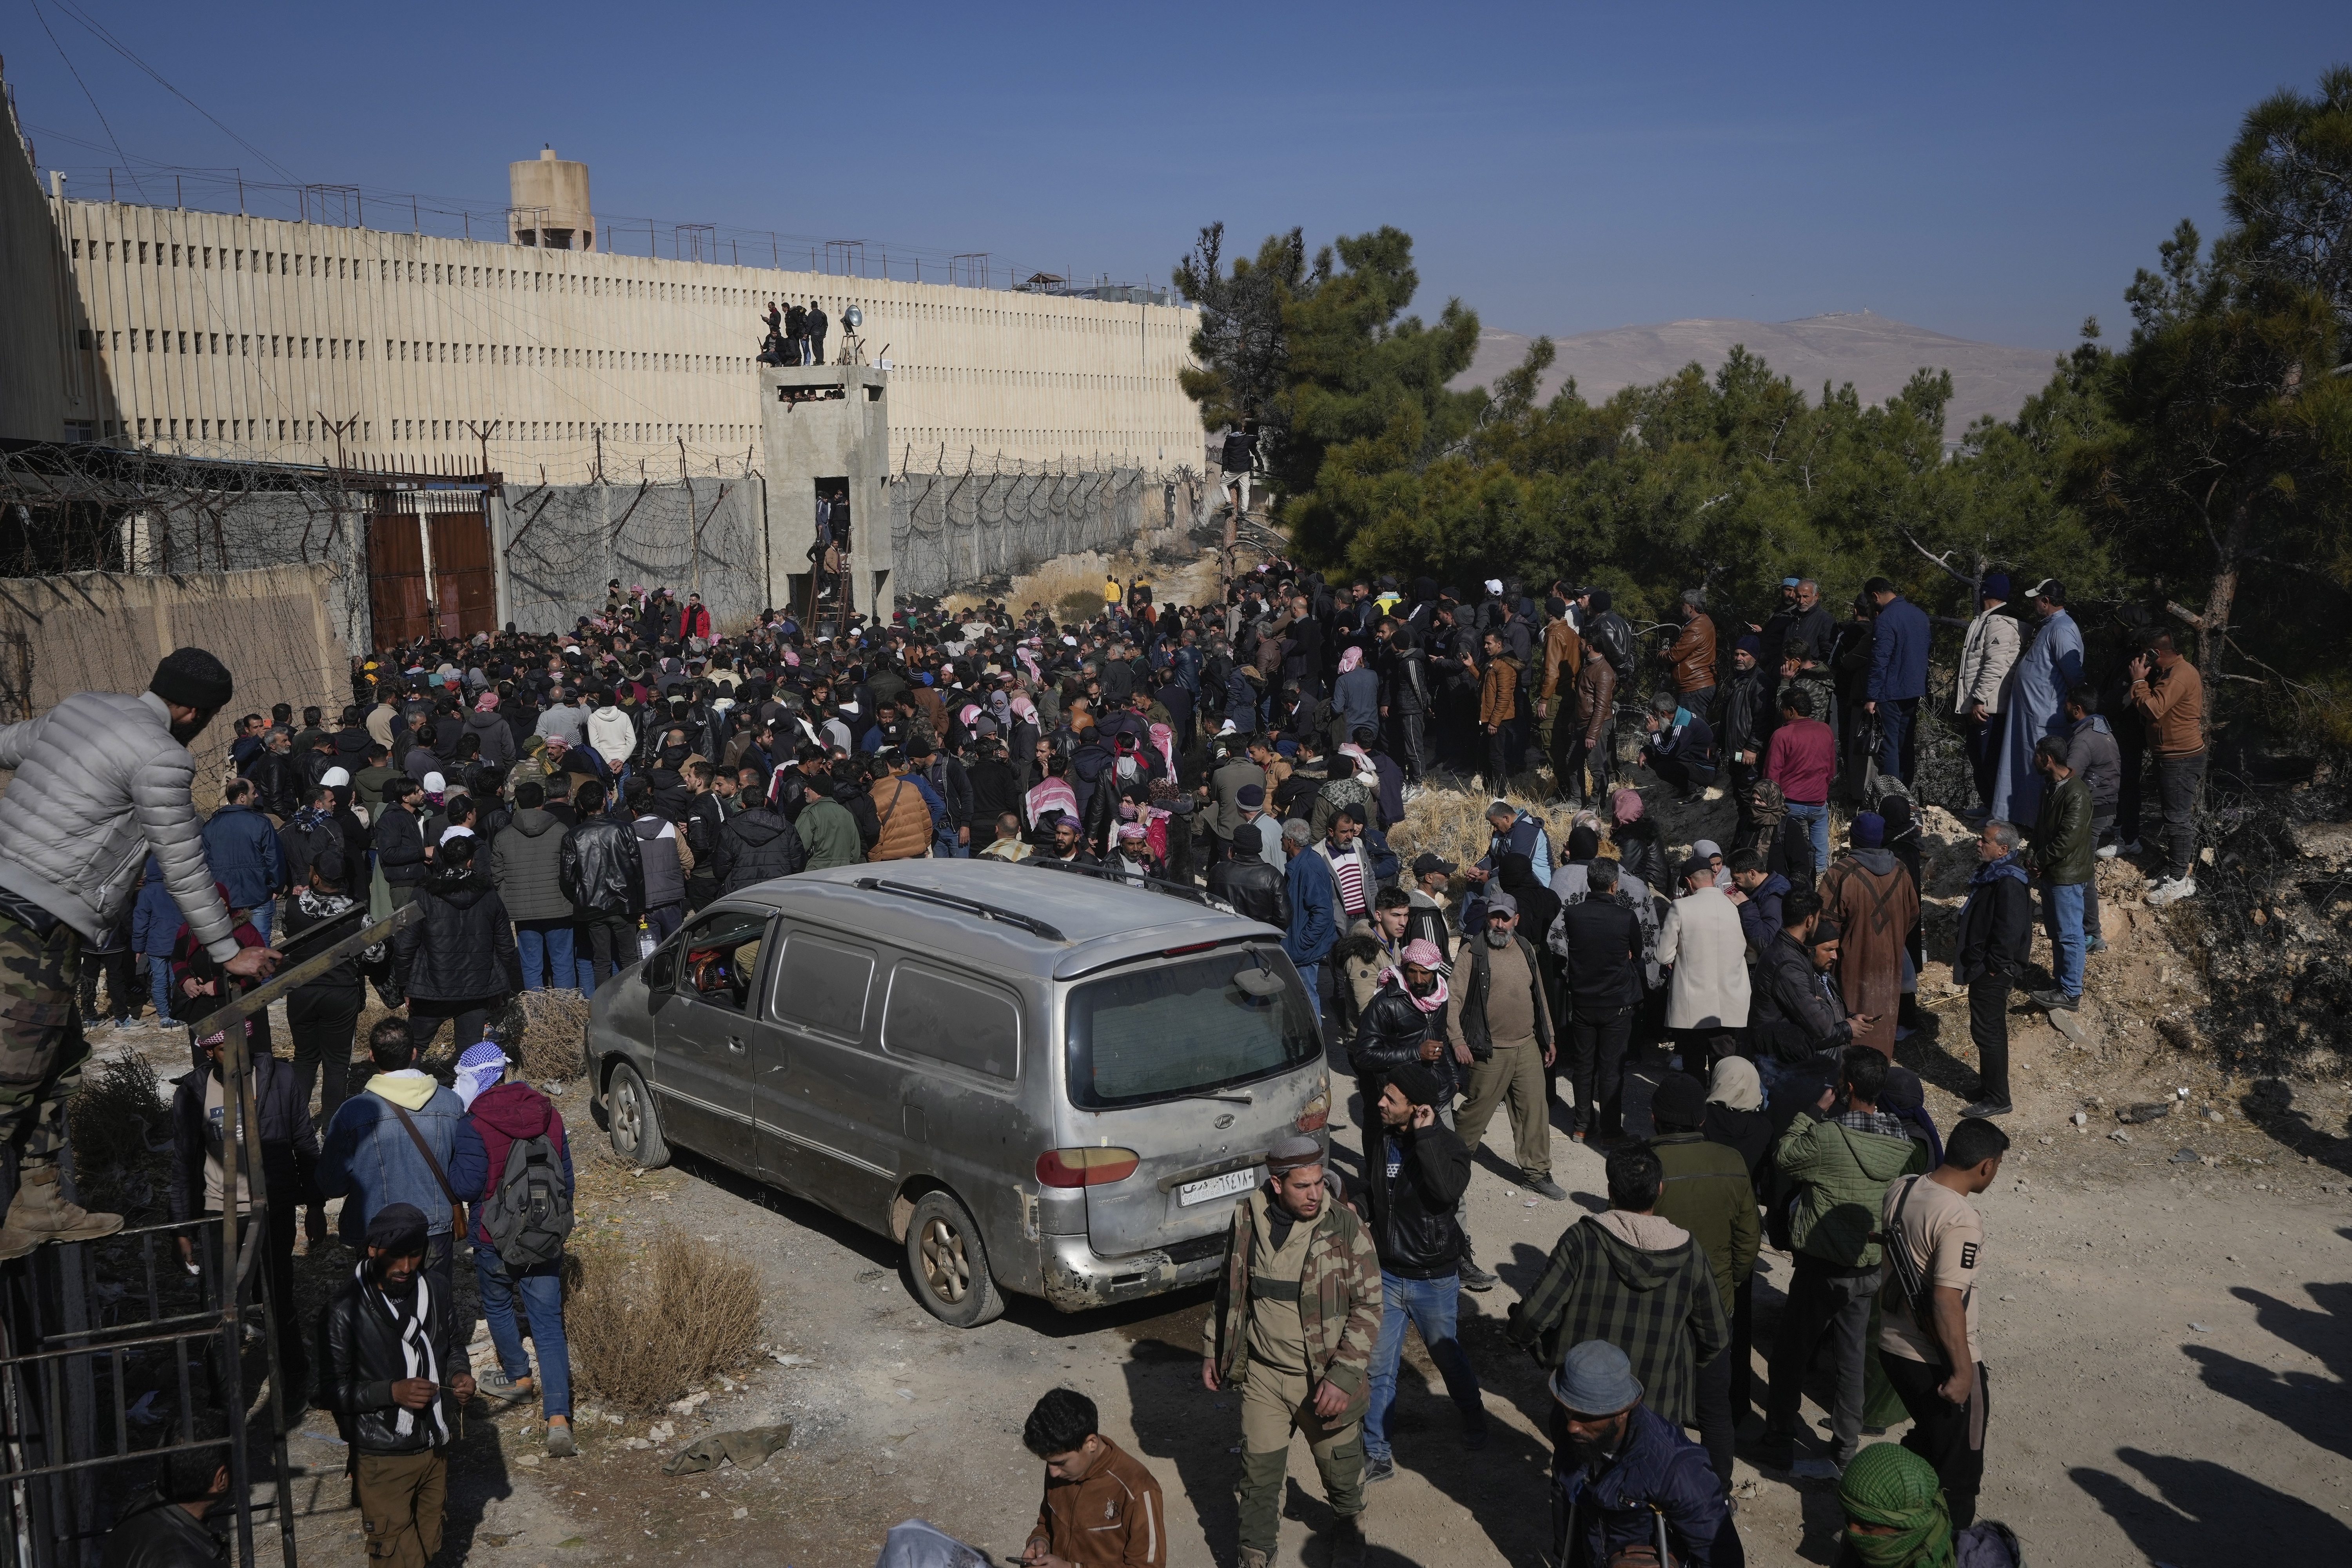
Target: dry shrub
(646, 1330)
(120, 1125)
(554, 1042)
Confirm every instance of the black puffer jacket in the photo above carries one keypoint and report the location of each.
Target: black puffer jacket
(756, 844)
(464, 948)
(1255, 889)
(1413, 1220)
(399, 847)
(601, 871)
(359, 1358)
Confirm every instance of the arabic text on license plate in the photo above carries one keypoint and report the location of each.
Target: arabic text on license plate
(1222, 1187)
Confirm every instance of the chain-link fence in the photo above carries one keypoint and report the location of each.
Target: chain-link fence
(949, 529)
(705, 535)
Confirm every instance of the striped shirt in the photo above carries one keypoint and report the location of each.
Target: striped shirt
(1347, 873)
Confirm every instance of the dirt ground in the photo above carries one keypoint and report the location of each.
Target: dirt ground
(2165, 1316)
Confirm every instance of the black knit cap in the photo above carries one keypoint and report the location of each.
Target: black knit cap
(399, 1229)
(1417, 1083)
(193, 679)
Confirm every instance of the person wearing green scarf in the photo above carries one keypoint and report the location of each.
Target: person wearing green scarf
(1896, 1518)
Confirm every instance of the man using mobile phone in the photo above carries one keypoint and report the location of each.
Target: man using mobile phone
(1102, 1507)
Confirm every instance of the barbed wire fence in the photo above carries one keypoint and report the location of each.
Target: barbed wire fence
(705, 534)
(69, 509)
(953, 526)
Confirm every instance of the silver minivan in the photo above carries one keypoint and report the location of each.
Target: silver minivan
(1039, 1081)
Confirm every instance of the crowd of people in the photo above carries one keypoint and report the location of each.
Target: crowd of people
(795, 334)
(557, 804)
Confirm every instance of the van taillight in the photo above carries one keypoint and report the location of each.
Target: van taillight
(1318, 1113)
(1086, 1167)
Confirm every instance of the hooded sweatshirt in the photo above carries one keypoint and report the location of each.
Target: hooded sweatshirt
(505, 1114)
(1641, 1283)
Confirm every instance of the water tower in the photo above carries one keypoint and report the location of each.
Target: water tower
(548, 204)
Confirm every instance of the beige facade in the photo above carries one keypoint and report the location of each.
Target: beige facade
(212, 334)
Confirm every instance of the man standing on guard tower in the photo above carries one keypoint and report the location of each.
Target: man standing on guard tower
(101, 780)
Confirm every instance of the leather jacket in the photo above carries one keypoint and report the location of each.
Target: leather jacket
(1411, 1215)
(601, 871)
(159, 1534)
(1255, 889)
(1693, 654)
(2062, 840)
(1390, 1034)
(1613, 635)
(360, 1359)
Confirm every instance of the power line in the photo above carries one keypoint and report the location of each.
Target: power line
(94, 109)
(112, 42)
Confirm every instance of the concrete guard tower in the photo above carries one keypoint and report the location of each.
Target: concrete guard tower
(827, 433)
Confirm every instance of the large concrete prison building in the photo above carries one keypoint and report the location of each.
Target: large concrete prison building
(215, 335)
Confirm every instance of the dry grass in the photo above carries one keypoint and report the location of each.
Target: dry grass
(555, 1036)
(646, 1329)
(120, 1124)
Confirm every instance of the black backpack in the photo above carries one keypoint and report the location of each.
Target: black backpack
(529, 1213)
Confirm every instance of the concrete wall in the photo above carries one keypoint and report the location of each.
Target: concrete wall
(33, 360)
(557, 546)
(218, 335)
(103, 631)
(829, 423)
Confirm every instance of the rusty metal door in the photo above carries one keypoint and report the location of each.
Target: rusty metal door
(465, 583)
(397, 592)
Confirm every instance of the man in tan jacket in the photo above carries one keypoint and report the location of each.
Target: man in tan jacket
(1563, 655)
(2171, 694)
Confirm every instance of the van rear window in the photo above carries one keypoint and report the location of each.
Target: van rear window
(1183, 1028)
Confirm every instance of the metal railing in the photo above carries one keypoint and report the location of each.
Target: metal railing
(94, 1334)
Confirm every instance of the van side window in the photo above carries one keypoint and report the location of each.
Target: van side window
(952, 1021)
(823, 984)
(718, 959)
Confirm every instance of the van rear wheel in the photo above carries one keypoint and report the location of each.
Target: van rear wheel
(949, 1263)
(636, 1125)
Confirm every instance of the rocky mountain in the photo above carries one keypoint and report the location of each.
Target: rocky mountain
(1876, 354)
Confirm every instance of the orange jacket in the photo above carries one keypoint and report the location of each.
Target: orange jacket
(1563, 654)
(1499, 692)
(905, 821)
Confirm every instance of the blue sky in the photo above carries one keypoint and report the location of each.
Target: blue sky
(1993, 171)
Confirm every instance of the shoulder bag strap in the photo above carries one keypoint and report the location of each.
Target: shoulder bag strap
(456, 1210)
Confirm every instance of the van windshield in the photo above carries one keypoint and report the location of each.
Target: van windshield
(1182, 1027)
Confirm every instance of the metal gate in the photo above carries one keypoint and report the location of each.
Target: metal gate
(430, 567)
(114, 1353)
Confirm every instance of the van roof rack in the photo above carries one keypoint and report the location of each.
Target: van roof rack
(1030, 923)
(1130, 880)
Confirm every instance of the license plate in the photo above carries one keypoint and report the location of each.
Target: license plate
(1224, 1186)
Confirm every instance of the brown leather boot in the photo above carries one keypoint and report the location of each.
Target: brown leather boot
(42, 1213)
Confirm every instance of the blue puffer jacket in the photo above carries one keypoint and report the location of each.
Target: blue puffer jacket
(369, 1160)
(243, 850)
(1659, 1475)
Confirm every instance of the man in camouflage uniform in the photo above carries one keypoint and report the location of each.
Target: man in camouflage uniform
(101, 780)
(1297, 1312)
